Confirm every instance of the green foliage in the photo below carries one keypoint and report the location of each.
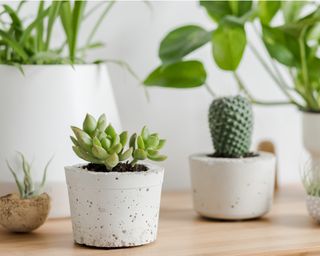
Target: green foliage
(231, 122)
(183, 74)
(293, 43)
(99, 143)
(27, 187)
(28, 41)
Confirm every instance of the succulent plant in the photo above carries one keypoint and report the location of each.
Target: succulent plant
(27, 188)
(231, 123)
(99, 143)
(146, 145)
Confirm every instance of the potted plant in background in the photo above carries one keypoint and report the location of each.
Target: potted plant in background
(28, 210)
(114, 202)
(46, 84)
(312, 188)
(233, 183)
(291, 43)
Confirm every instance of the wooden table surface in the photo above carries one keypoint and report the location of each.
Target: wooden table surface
(287, 230)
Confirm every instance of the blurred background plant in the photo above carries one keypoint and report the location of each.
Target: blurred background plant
(311, 179)
(288, 30)
(28, 40)
(27, 188)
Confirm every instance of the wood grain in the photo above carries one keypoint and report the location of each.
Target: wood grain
(287, 230)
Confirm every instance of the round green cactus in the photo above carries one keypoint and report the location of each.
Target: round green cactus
(231, 123)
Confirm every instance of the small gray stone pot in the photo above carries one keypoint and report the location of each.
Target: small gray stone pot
(114, 209)
(313, 207)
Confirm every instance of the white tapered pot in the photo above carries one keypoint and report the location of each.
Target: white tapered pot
(36, 111)
(114, 209)
(231, 188)
(311, 137)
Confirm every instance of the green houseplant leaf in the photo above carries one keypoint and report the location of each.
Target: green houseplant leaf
(217, 10)
(226, 52)
(181, 41)
(281, 46)
(267, 10)
(183, 74)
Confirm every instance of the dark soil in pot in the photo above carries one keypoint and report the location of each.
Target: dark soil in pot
(121, 167)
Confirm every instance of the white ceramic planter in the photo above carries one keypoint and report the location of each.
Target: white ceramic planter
(114, 209)
(311, 137)
(36, 111)
(232, 189)
(313, 207)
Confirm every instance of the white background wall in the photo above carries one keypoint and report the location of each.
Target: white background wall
(132, 33)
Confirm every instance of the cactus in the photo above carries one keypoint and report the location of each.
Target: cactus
(231, 123)
(99, 143)
(27, 188)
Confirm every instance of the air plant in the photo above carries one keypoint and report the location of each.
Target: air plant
(27, 187)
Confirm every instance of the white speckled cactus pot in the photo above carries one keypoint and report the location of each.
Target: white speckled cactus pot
(232, 189)
(114, 209)
(313, 206)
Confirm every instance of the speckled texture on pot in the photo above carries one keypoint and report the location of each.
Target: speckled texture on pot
(313, 206)
(114, 209)
(232, 188)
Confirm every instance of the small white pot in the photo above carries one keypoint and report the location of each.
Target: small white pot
(311, 136)
(313, 206)
(114, 209)
(230, 188)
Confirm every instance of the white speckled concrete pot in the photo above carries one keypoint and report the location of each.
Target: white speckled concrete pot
(114, 209)
(313, 206)
(232, 189)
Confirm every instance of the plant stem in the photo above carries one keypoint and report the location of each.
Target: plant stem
(243, 88)
(210, 91)
(313, 103)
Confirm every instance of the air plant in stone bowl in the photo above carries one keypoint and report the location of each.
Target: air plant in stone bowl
(28, 210)
(115, 198)
(311, 183)
(233, 182)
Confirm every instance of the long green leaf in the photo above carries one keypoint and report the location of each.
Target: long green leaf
(29, 29)
(14, 45)
(76, 22)
(53, 14)
(44, 177)
(39, 28)
(65, 16)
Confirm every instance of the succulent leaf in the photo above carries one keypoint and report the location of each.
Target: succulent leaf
(139, 154)
(152, 152)
(140, 142)
(111, 161)
(115, 149)
(83, 138)
(106, 143)
(132, 142)
(124, 138)
(161, 144)
(111, 131)
(102, 122)
(157, 157)
(99, 152)
(153, 141)
(145, 133)
(89, 124)
(96, 141)
(74, 141)
(125, 155)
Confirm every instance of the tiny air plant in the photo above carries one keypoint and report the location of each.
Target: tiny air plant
(311, 179)
(27, 188)
(99, 143)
